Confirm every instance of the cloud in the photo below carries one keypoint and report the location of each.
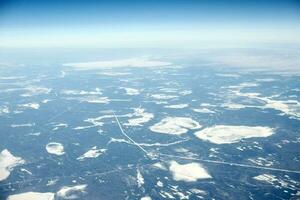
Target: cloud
(284, 60)
(130, 62)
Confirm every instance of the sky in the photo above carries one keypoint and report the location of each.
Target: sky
(147, 23)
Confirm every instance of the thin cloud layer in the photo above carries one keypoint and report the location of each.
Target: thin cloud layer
(130, 62)
(283, 60)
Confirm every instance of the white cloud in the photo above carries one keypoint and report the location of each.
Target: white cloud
(283, 60)
(130, 62)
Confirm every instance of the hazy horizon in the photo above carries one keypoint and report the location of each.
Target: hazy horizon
(151, 24)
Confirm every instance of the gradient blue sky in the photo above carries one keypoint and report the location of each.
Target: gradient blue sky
(147, 23)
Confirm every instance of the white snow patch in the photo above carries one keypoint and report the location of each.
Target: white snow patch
(168, 90)
(261, 161)
(30, 105)
(175, 125)
(93, 96)
(114, 73)
(197, 191)
(60, 125)
(288, 107)
(36, 90)
(62, 74)
(159, 166)
(4, 110)
(25, 170)
(224, 134)
(146, 198)
(82, 127)
(163, 96)
(177, 106)
(131, 91)
(278, 182)
(35, 134)
(55, 148)
(268, 178)
(185, 92)
(32, 196)
(207, 105)
(90, 99)
(229, 75)
(52, 182)
(179, 194)
(140, 178)
(141, 117)
(112, 140)
(160, 184)
(71, 192)
(46, 100)
(187, 153)
(273, 180)
(203, 110)
(188, 172)
(93, 153)
(7, 163)
(96, 91)
(265, 79)
(11, 77)
(248, 84)
(22, 125)
(234, 106)
(96, 122)
(166, 195)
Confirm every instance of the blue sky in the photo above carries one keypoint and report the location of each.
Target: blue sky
(147, 23)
